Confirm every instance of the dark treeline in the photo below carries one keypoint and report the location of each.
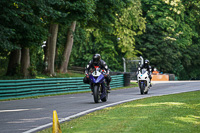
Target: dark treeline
(50, 36)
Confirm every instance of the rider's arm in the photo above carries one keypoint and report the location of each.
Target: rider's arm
(150, 70)
(88, 68)
(105, 67)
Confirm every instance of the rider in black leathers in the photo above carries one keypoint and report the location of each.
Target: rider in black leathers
(148, 67)
(97, 61)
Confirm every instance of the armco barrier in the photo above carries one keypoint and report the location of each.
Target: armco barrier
(36, 87)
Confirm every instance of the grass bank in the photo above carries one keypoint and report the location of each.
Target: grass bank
(177, 113)
(43, 76)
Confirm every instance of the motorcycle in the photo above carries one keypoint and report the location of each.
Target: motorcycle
(143, 81)
(98, 85)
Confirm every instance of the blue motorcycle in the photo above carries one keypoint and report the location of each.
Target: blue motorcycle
(98, 85)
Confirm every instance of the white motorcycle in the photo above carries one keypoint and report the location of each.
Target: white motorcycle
(143, 81)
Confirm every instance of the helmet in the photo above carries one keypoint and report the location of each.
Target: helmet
(96, 58)
(146, 62)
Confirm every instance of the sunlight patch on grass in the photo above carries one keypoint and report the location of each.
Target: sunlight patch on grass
(157, 104)
(197, 104)
(109, 108)
(173, 123)
(141, 117)
(189, 119)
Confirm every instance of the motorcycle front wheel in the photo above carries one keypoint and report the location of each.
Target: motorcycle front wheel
(146, 92)
(142, 87)
(96, 94)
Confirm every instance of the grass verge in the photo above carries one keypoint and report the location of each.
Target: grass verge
(177, 113)
(42, 76)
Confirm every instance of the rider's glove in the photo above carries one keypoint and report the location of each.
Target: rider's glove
(106, 75)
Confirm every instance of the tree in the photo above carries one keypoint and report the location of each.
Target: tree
(129, 24)
(68, 48)
(25, 62)
(169, 35)
(79, 11)
(51, 45)
(24, 26)
(102, 33)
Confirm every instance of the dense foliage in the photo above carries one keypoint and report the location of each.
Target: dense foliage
(164, 31)
(171, 40)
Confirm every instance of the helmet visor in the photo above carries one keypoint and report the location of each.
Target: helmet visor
(96, 60)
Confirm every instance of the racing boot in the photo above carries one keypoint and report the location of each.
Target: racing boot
(91, 87)
(150, 84)
(108, 88)
(150, 81)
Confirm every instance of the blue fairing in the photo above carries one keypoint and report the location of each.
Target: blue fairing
(98, 79)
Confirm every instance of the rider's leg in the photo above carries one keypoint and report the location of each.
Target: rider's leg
(150, 80)
(92, 88)
(108, 80)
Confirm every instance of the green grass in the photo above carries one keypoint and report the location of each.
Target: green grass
(177, 113)
(61, 75)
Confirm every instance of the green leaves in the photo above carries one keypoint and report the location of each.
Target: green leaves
(129, 24)
(164, 31)
(172, 29)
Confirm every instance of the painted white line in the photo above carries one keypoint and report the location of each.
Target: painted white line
(177, 81)
(38, 128)
(17, 110)
(14, 110)
(80, 114)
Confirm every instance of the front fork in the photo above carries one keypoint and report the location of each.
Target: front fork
(144, 81)
(102, 87)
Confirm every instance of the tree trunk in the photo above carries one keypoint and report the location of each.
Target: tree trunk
(25, 62)
(14, 62)
(56, 59)
(68, 48)
(52, 48)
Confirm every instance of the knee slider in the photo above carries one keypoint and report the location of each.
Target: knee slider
(86, 80)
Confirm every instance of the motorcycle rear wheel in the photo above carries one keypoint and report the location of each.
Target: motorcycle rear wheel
(106, 97)
(96, 94)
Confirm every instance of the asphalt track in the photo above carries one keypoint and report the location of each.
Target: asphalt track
(32, 115)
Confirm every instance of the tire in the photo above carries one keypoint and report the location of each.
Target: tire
(127, 79)
(147, 91)
(106, 97)
(142, 87)
(96, 94)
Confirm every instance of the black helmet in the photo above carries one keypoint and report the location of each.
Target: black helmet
(96, 58)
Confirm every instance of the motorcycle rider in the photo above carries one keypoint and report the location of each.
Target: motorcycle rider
(97, 61)
(146, 66)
